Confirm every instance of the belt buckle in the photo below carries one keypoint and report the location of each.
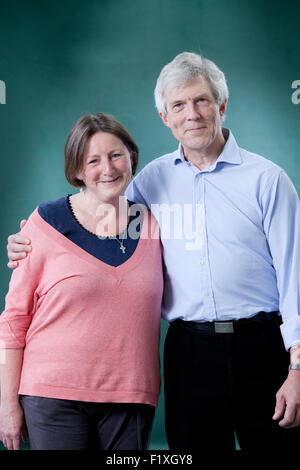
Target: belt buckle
(224, 327)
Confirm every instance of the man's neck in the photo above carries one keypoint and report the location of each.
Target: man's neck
(203, 158)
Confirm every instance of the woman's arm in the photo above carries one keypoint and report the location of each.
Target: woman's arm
(11, 413)
(20, 306)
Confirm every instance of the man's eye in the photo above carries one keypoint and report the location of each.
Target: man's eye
(203, 100)
(116, 155)
(177, 107)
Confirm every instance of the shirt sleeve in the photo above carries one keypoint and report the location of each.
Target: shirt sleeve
(22, 297)
(133, 193)
(281, 213)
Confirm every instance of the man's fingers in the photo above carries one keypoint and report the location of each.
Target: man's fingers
(22, 223)
(297, 419)
(16, 256)
(12, 264)
(18, 243)
(16, 251)
(279, 408)
(289, 418)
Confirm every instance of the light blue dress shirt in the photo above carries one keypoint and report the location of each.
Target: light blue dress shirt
(230, 236)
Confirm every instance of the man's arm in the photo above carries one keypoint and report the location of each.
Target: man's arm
(281, 214)
(17, 248)
(288, 396)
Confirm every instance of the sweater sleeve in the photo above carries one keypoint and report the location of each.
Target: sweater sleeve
(22, 297)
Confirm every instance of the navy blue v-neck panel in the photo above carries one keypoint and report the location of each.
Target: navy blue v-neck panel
(59, 215)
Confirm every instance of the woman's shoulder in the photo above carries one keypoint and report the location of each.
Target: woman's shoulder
(54, 212)
(52, 208)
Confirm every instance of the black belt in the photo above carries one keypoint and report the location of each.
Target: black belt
(258, 321)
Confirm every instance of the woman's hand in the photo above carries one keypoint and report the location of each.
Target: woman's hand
(17, 248)
(12, 425)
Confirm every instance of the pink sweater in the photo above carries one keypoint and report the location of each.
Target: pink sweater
(90, 331)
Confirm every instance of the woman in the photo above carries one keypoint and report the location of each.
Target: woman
(81, 324)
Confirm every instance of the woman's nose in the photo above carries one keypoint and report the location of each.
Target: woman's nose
(107, 166)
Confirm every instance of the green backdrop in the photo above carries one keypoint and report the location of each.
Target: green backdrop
(62, 59)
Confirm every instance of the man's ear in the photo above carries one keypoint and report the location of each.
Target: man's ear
(164, 118)
(222, 108)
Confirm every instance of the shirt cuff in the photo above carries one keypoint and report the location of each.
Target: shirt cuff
(290, 331)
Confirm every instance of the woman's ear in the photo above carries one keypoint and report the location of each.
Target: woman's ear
(79, 175)
(132, 161)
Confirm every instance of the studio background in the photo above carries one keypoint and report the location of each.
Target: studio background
(62, 59)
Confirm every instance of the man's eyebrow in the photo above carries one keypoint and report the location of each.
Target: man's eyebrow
(176, 102)
(201, 95)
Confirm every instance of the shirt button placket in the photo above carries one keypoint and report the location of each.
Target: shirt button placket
(206, 287)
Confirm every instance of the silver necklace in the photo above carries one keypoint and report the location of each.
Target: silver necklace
(122, 246)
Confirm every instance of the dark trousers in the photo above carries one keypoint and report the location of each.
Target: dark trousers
(218, 383)
(55, 424)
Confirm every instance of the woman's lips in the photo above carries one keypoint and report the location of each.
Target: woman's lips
(109, 181)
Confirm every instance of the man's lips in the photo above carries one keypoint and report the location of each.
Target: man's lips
(196, 129)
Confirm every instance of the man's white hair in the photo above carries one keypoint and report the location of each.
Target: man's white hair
(183, 68)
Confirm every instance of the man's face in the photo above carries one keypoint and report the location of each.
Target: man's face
(194, 116)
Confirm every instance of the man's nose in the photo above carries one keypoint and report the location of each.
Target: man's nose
(192, 111)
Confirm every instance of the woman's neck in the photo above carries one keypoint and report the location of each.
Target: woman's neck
(100, 217)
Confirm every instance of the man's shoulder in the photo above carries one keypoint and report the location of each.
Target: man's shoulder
(259, 163)
(164, 161)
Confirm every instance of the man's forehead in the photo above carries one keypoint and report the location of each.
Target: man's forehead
(197, 85)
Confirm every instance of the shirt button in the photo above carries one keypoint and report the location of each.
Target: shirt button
(202, 261)
(206, 293)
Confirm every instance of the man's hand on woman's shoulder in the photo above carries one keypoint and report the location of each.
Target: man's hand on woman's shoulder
(17, 247)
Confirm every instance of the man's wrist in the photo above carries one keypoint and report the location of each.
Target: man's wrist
(295, 354)
(294, 367)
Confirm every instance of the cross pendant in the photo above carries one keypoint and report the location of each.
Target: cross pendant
(122, 247)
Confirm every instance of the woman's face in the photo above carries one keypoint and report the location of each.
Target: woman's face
(106, 170)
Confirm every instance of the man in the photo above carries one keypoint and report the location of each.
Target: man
(230, 268)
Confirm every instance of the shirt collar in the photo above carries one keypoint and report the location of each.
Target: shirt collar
(230, 153)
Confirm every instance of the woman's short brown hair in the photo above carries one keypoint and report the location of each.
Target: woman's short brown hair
(84, 128)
